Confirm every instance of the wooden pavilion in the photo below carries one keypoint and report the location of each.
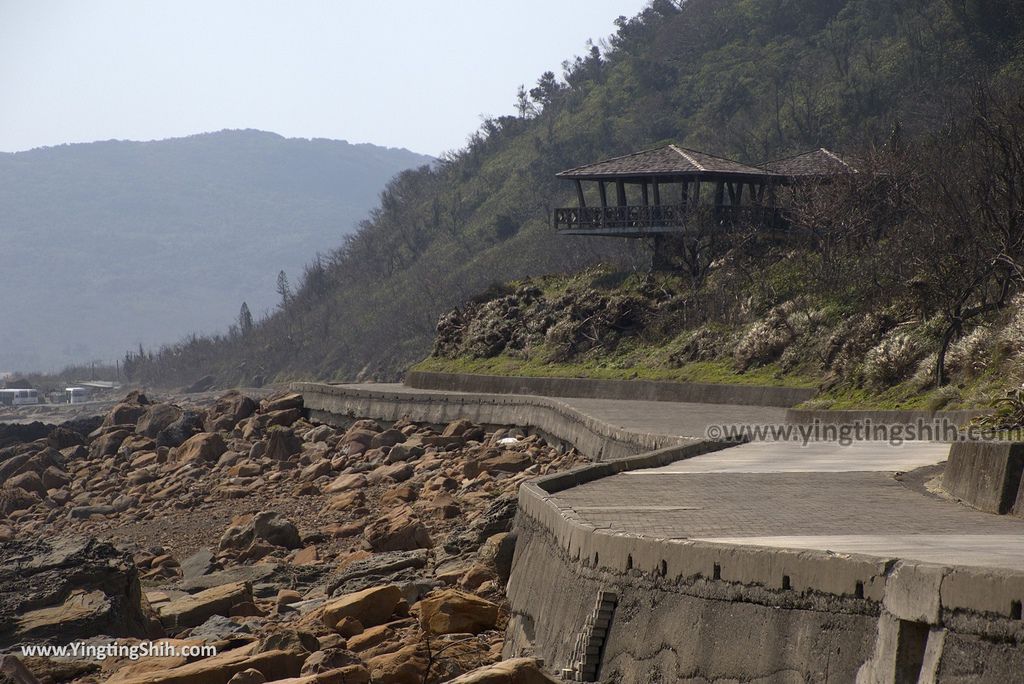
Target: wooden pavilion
(666, 189)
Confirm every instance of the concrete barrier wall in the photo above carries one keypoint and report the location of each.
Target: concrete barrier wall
(794, 602)
(592, 388)
(893, 417)
(986, 475)
(596, 439)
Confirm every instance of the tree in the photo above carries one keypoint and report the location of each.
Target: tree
(284, 288)
(245, 318)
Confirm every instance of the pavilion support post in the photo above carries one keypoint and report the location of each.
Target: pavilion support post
(620, 193)
(684, 196)
(603, 191)
(579, 195)
(657, 192)
(666, 251)
(660, 257)
(644, 198)
(719, 194)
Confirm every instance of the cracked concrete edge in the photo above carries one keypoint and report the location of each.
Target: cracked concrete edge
(962, 588)
(597, 388)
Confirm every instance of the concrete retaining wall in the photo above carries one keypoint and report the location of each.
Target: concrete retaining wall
(852, 416)
(987, 475)
(645, 390)
(684, 599)
(598, 440)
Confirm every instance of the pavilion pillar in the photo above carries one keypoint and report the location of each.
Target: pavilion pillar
(604, 194)
(620, 193)
(579, 195)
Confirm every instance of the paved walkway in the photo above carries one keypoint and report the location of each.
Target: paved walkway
(846, 499)
(822, 496)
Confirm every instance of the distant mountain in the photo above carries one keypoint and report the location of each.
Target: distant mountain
(107, 245)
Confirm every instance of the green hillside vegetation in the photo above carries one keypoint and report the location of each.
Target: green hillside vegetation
(751, 80)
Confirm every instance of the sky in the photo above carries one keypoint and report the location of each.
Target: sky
(414, 74)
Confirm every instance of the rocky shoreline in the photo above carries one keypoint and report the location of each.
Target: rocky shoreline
(373, 553)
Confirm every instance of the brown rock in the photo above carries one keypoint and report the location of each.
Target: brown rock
(507, 462)
(449, 611)
(398, 530)
(371, 606)
(250, 676)
(156, 418)
(194, 610)
(371, 637)
(348, 627)
(350, 499)
(306, 556)
(291, 400)
(514, 671)
(218, 669)
(282, 444)
(343, 483)
(405, 666)
(126, 413)
(205, 447)
(29, 481)
(456, 428)
(387, 438)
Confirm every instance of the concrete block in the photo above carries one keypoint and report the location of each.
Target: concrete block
(986, 475)
(913, 592)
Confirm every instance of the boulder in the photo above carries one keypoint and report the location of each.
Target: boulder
(176, 433)
(16, 499)
(331, 659)
(29, 481)
(125, 413)
(451, 611)
(219, 669)
(346, 482)
(205, 447)
(514, 671)
(194, 610)
(268, 526)
(407, 665)
(282, 443)
(373, 606)
(68, 589)
(284, 402)
(228, 410)
(156, 418)
(398, 530)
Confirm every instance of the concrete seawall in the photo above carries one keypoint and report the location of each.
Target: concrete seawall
(657, 609)
(705, 611)
(598, 440)
(641, 390)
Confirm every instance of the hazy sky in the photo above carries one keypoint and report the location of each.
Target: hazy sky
(404, 73)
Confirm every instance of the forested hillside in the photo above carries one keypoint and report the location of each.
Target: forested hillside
(113, 244)
(748, 79)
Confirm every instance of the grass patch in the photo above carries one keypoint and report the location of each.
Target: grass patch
(718, 372)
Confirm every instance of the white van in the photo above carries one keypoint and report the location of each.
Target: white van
(76, 395)
(19, 397)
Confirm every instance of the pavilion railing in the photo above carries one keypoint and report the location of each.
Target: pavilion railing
(661, 216)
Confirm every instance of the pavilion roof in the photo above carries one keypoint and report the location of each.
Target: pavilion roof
(669, 160)
(819, 162)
